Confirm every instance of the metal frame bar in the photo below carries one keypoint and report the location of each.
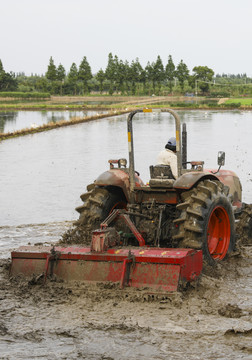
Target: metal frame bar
(131, 143)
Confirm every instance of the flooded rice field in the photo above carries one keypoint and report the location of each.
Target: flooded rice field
(42, 176)
(16, 120)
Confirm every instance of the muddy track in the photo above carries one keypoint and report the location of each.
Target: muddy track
(76, 320)
(210, 319)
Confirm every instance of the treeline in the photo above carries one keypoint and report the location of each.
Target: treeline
(8, 81)
(124, 78)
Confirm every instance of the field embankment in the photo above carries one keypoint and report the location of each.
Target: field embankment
(52, 125)
(119, 102)
(115, 105)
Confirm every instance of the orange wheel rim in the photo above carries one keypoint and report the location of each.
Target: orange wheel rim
(218, 233)
(119, 205)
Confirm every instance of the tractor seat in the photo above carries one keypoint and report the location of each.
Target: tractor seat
(161, 176)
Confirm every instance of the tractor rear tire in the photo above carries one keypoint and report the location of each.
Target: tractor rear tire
(244, 226)
(98, 204)
(206, 221)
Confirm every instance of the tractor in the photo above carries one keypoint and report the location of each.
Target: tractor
(152, 235)
(196, 210)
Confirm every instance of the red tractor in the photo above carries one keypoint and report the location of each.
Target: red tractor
(158, 231)
(195, 211)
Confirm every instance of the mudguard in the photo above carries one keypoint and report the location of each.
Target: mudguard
(227, 177)
(189, 179)
(118, 178)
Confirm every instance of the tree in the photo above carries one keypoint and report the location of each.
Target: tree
(72, 78)
(155, 73)
(8, 81)
(159, 73)
(170, 72)
(1, 67)
(143, 79)
(110, 73)
(100, 76)
(41, 84)
(61, 73)
(203, 75)
(135, 71)
(150, 74)
(126, 76)
(118, 73)
(182, 73)
(51, 73)
(121, 75)
(85, 74)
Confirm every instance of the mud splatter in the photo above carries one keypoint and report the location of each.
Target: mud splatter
(75, 320)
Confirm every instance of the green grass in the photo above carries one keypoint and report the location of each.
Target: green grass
(23, 95)
(49, 107)
(23, 104)
(242, 101)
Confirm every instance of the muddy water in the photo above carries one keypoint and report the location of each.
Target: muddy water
(41, 178)
(42, 175)
(211, 320)
(16, 120)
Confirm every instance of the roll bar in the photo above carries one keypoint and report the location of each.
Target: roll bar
(131, 144)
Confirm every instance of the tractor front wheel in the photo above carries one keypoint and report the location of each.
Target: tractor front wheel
(206, 221)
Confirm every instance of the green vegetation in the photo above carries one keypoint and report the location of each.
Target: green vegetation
(239, 102)
(44, 106)
(8, 81)
(130, 79)
(202, 75)
(120, 103)
(23, 95)
(114, 109)
(182, 73)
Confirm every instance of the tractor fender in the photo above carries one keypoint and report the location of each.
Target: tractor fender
(189, 179)
(227, 177)
(118, 178)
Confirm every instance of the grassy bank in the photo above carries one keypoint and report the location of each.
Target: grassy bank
(49, 107)
(24, 95)
(116, 107)
(122, 104)
(243, 102)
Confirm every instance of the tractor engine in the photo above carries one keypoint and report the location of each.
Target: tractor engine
(154, 221)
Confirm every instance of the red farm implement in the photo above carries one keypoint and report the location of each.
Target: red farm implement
(153, 236)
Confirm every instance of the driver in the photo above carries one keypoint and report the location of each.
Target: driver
(168, 156)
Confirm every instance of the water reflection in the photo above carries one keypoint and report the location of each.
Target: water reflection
(17, 120)
(44, 174)
(7, 117)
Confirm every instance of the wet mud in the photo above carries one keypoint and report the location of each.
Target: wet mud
(210, 319)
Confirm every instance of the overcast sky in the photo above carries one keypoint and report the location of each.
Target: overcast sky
(214, 33)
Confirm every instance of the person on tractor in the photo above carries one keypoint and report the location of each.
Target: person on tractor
(168, 156)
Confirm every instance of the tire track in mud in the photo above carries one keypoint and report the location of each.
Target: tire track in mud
(101, 321)
(209, 319)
